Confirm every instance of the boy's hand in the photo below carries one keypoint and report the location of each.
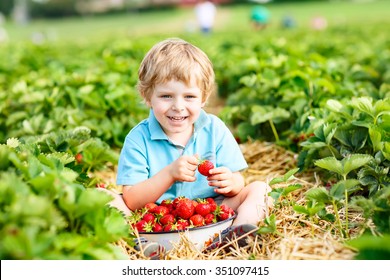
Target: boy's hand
(222, 179)
(183, 169)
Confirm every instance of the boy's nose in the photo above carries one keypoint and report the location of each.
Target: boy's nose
(177, 107)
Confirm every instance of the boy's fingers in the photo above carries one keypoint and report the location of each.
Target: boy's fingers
(193, 160)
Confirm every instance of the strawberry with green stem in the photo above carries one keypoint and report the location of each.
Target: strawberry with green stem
(185, 208)
(203, 207)
(212, 203)
(224, 212)
(205, 166)
(210, 219)
(197, 220)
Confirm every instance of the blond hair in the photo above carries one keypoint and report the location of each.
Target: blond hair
(175, 59)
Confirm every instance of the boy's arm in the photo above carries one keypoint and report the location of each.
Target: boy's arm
(150, 190)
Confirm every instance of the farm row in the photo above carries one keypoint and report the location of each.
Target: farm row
(324, 95)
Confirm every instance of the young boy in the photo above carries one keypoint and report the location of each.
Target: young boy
(160, 155)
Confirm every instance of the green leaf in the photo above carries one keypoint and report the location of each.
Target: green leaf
(386, 150)
(91, 199)
(314, 209)
(270, 226)
(277, 180)
(331, 164)
(291, 188)
(276, 193)
(5, 151)
(355, 161)
(364, 104)
(346, 165)
(326, 216)
(319, 194)
(372, 247)
(245, 130)
(337, 191)
(261, 114)
(351, 185)
(375, 137)
(329, 135)
(334, 105)
(286, 177)
(382, 107)
(301, 209)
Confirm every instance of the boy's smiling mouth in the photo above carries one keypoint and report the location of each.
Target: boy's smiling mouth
(177, 118)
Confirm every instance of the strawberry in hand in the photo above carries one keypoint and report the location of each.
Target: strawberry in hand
(205, 166)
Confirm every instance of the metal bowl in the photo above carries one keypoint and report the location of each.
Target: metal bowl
(199, 236)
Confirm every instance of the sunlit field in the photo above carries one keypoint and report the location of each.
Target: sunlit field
(309, 107)
(178, 21)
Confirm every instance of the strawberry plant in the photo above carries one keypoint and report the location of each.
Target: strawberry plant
(48, 214)
(327, 100)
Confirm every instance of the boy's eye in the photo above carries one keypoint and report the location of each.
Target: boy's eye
(165, 96)
(190, 96)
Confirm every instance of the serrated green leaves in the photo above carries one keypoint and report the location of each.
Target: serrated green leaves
(286, 177)
(262, 114)
(346, 165)
(41, 200)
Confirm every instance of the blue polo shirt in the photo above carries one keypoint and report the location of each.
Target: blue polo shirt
(147, 149)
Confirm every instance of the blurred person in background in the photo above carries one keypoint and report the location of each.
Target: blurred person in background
(319, 23)
(260, 17)
(288, 21)
(205, 12)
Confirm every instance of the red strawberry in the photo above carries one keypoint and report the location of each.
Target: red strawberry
(203, 208)
(185, 208)
(170, 227)
(180, 227)
(167, 203)
(157, 227)
(177, 200)
(212, 203)
(150, 205)
(204, 167)
(167, 219)
(160, 210)
(79, 158)
(210, 219)
(141, 226)
(182, 224)
(224, 212)
(148, 217)
(197, 220)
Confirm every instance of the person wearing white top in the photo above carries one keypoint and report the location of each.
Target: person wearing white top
(205, 12)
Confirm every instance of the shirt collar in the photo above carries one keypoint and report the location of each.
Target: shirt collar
(155, 129)
(157, 133)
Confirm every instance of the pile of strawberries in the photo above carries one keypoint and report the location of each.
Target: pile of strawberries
(179, 214)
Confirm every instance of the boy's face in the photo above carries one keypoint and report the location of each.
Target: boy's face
(176, 106)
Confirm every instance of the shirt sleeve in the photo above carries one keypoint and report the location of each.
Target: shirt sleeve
(228, 151)
(132, 165)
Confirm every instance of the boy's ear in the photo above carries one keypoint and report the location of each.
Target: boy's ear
(147, 102)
